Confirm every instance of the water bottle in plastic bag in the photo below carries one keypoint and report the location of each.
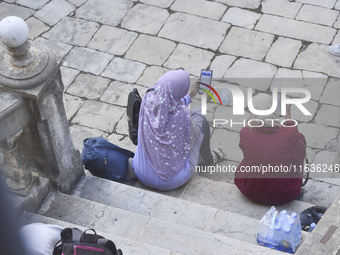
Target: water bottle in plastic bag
(280, 231)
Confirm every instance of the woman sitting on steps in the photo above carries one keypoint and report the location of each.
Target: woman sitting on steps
(171, 140)
(271, 146)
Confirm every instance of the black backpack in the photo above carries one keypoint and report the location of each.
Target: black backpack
(133, 108)
(74, 241)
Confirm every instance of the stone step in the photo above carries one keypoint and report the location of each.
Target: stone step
(226, 196)
(170, 209)
(126, 245)
(142, 228)
(200, 190)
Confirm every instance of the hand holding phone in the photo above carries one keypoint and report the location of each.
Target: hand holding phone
(206, 78)
(193, 90)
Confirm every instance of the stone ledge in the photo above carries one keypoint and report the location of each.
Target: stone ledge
(321, 240)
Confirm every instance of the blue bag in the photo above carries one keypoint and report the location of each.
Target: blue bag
(106, 160)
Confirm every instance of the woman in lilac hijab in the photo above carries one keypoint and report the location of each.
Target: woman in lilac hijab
(171, 139)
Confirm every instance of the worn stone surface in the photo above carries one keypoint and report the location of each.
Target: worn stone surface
(287, 78)
(88, 86)
(78, 32)
(145, 19)
(117, 70)
(316, 195)
(117, 93)
(211, 10)
(227, 197)
(54, 11)
(59, 49)
(247, 43)
(160, 3)
(221, 64)
(326, 3)
(317, 15)
(151, 75)
(80, 133)
(295, 29)
(112, 40)
(36, 27)
(72, 105)
(337, 5)
(93, 114)
(150, 50)
(328, 115)
(194, 30)
(258, 75)
(77, 2)
(68, 75)
(15, 10)
(88, 60)
(240, 17)
(283, 52)
(283, 8)
(223, 140)
(337, 37)
(296, 113)
(249, 4)
(312, 133)
(331, 93)
(117, 220)
(122, 139)
(316, 58)
(188, 241)
(190, 58)
(34, 4)
(109, 12)
(315, 83)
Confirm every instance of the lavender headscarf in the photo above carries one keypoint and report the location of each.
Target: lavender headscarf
(164, 124)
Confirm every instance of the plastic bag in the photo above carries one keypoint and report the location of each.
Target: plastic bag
(279, 230)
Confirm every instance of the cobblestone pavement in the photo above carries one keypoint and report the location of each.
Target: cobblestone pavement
(110, 46)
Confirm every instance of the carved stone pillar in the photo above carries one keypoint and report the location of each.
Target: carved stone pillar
(32, 73)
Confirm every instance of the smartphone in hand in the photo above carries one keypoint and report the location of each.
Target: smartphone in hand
(206, 78)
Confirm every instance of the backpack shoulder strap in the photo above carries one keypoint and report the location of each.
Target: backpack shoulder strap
(58, 248)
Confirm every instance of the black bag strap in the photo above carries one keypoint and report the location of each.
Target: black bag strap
(134, 100)
(124, 180)
(58, 247)
(83, 236)
(136, 92)
(307, 163)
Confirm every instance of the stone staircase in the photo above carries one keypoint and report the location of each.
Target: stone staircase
(204, 217)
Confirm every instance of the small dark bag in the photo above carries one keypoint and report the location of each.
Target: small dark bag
(106, 160)
(74, 241)
(133, 108)
(311, 215)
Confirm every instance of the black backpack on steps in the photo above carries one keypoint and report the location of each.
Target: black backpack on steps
(74, 241)
(133, 108)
